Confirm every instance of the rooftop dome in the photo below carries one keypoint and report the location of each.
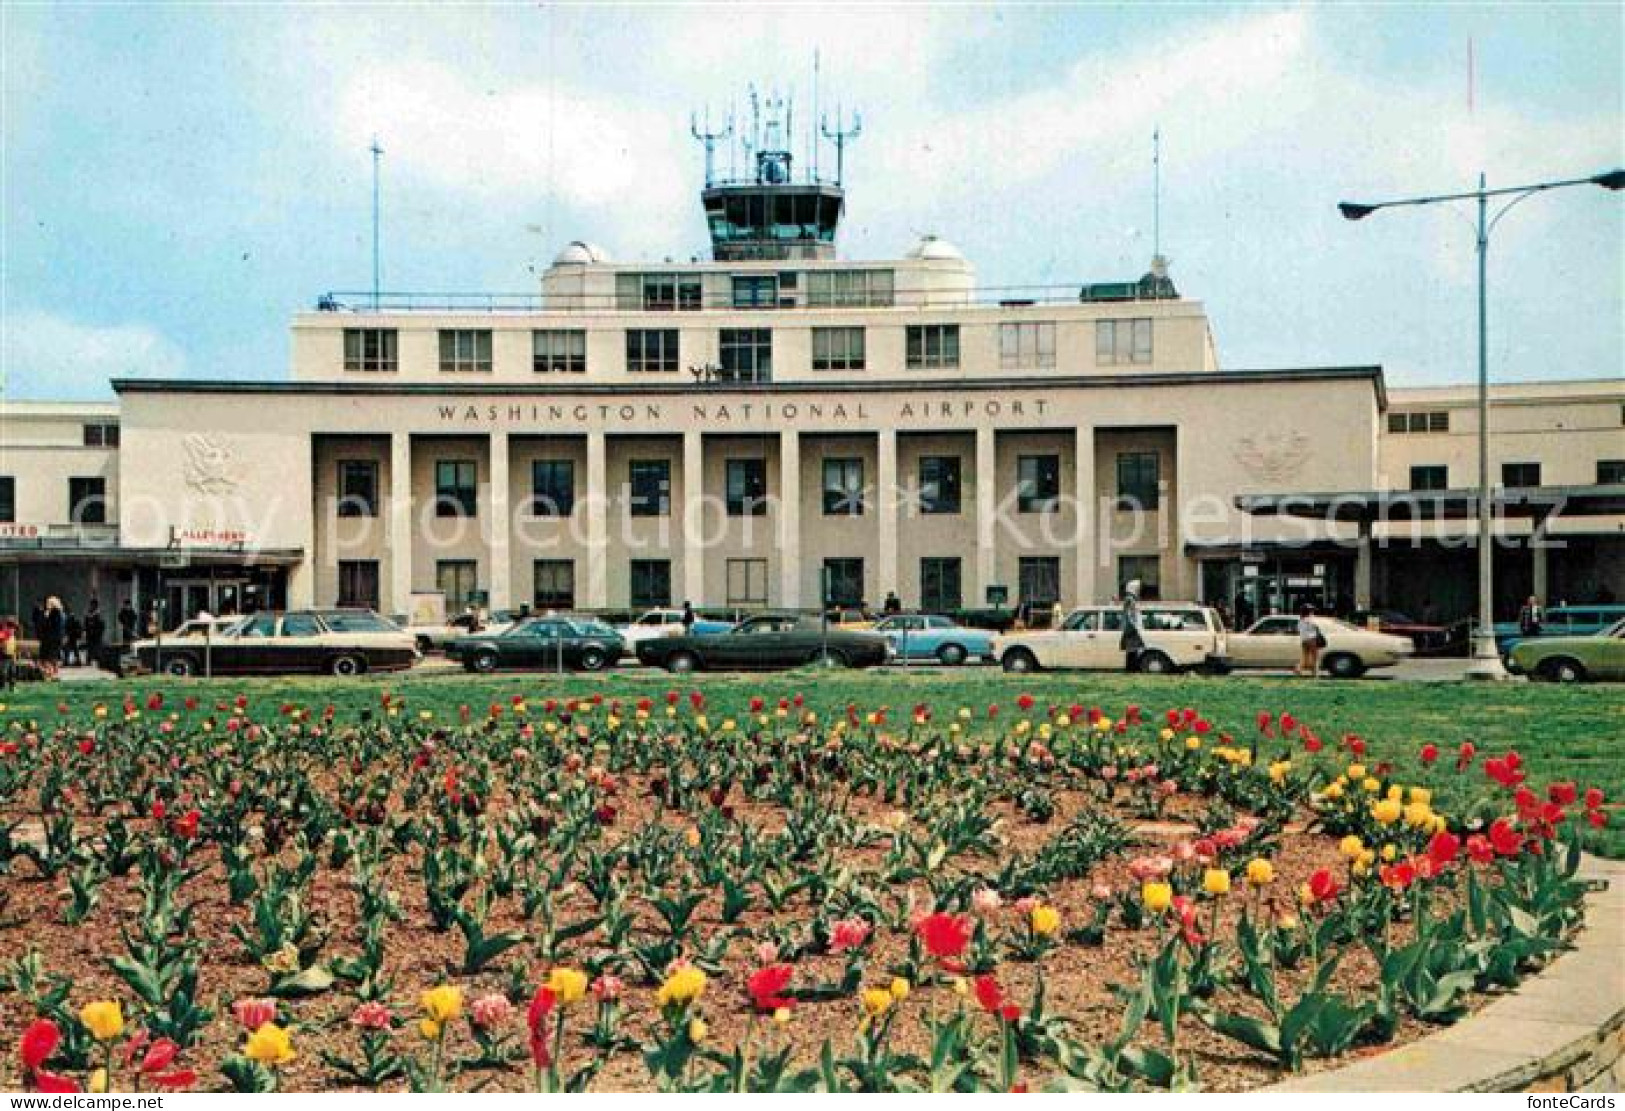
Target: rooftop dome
(579, 253)
(935, 247)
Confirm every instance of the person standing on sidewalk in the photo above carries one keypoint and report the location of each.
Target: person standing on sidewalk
(1310, 641)
(1133, 639)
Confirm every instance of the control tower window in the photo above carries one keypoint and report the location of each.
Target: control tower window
(747, 354)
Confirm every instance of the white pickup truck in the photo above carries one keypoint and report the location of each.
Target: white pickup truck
(1179, 636)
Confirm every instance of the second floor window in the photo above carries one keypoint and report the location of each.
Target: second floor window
(358, 488)
(1412, 423)
(370, 349)
(1027, 345)
(648, 484)
(455, 490)
(1122, 342)
(837, 349)
(465, 350)
(101, 435)
(1430, 477)
(933, 346)
(1520, 474)
(747, 487)
(747, 354)
(1138, 476)
(939, 484)
(843, 487)
(552, 487)
(559, 349)
(651, 349)
(87, 500)
(1038, 483)
(1610, 472)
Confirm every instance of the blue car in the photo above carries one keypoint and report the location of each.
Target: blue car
(1561, 621)
(920, 637)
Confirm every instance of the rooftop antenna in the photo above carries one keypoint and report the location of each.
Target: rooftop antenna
(377, 269)
(709, 140)
(1159, 265)
(840, 135)
(812, 124)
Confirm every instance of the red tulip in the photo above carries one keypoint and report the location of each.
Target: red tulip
(541, 1006)
(1024, 702)
(1564, 794)
(945, 935)
(1504, 839)
(1593, 799)
(37, 1044)
(160, 1055)
(1323, 886)
(251, 1014)
(1443, 848)
(52, 1084)
(765, 986)
(1479, 849)
(989, 996)
(1430, 753)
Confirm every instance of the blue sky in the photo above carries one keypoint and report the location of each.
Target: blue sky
(179, 179)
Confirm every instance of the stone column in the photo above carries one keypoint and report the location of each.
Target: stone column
(1087, 556)
(1362, 568)
(302, 577)
(597, 505)
(400, 523)
(501, 526)
(789, 508)
(987, 478)
(692, 519)
(887, 502)
(1538, 569)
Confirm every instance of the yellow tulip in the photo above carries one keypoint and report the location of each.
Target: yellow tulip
(444, 1003)
(682, 987)
(899, 988)
(1386, 811)
(1260, 872)
(697, 1029)
(104, 1019)
(569, 985)
(1351, 847)
(1356, 771)
(1216, 881)
(429, 1028)
(98, 1081)
(876, 1001)
(1157, 897)
(1045, 919)
(1278, 771)
(269, 1045)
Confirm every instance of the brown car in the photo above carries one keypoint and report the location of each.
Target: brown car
(331, 642)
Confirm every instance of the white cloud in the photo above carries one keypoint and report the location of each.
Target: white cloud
(46, 355)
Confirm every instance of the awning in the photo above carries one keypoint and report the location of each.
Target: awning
(1366, 506)
(41, 551)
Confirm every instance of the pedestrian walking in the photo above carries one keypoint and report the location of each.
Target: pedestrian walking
(95, 631)
(688, 617)
(1310, 641)
(10, 634)
(1133, 639)
(1531, 617)
(51, 631)
(127, 620)
(73, 631)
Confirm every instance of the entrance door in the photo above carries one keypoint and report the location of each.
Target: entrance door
(184, 599)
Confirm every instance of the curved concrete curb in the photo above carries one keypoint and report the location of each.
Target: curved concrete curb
(1560, 1031)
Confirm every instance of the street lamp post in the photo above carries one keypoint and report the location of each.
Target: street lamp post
(1486, 662)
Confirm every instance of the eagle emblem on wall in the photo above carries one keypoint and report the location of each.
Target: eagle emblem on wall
(1272, 456)
(209, 465)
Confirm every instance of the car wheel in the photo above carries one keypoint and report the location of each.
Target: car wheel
(1019, 661)
(831, 657)
(1561, 669)
(485, 662)
(1342, 665)
(681, 663)
(180, 666)
(1156, 663)
(951, 655)
(593, 659)
(347, 666)
(425, 645)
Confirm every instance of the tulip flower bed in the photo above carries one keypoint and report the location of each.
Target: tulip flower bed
(652, 891)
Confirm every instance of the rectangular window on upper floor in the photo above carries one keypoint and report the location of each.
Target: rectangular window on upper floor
(756, 291)
(1139, 481)
(1430, 476)
(747, 487)
(456, 490)
(465, 350)
(8, 499)
(559, 349)
(1038, 483)
(1122, 342)
(837, 349)
(933, 346)
(1027, 345)
(747, 354)
(1520, 474)
(87, 500)
(648, 483)
(358, 488)
(939, 484)
(1414, 423)
(1610, 472)
(552, 487)
(370, 349)
(101, 435)
(658, 292)
(843, 487)
(858, 289)
(651, 349)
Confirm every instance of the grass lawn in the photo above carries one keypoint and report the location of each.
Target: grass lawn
(1562, 732)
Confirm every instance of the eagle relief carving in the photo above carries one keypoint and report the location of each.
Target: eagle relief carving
(1272, 456)
(210, 465)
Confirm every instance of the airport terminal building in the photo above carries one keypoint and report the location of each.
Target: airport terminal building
(780, 427)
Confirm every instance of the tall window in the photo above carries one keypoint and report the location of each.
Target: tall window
(1610, 472)
(849, 289)
(370, 349)
(651, 583)
(843, 487)
(1027, 344)
(455, 491)
(1147, 569)
(1412, 423)
(933, 346)
(747, 354)
(649, 487)
(358, 583)
(651, 349)
(1138, 474)
(1520, 474)
(553, 584)
(940, 584)
(455, 578)
(87, 500)
(1430, 477)
(358, 488)
(558, 349)
(658, 292)
(1122, 342)
(837, 349)
(843, 582)
(939, 484)
(747, 487)
(756, 292)
(1038, 483)
(1039, 580)
(465, 350)
(747, 582)
(101, 435)
(552, 487)
(8, 499)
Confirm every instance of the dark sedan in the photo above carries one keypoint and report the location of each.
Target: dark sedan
(545, 643)
(764, 643)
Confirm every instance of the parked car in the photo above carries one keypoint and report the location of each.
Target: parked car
(1350, 651)
(850, 619)
(543, 643)
(337, 641)
(128, 657)
(440, 634)
(668, 622)
(1178, 636)
(1427, 639)
(1561, 621)
(1573, 659)
(766, 642)
(918, 636)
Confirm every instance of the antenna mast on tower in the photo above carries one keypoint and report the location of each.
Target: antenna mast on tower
(840, 135)
(709, 140)
(1156, 193)
(377, 269)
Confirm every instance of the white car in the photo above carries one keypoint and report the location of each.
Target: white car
(1178, 636)
(1350, 651)
(440, 635)
(657, 623)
